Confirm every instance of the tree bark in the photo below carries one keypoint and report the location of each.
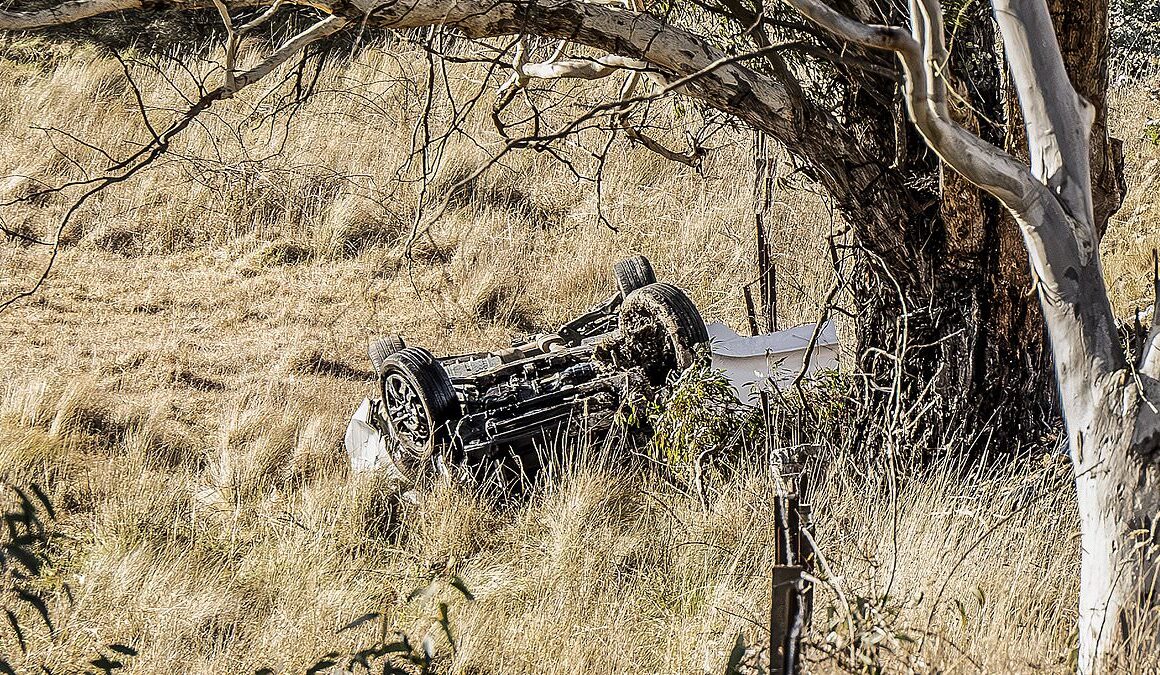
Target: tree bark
(973, 344)
(1111, 408)
(972, 330)
(1082, 28)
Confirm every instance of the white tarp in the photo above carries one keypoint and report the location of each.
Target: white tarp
(762, 362)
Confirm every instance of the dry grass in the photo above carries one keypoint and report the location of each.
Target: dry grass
(1135, 230)
(181, 384)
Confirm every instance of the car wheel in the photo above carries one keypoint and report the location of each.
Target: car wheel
(633, 273)
(379, 349)
(419, 406)
(664, 328)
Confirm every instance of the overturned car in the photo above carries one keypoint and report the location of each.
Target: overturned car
(472, 411)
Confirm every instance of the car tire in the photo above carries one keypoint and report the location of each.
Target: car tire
(681, 325)
(381, 348)
(419, 405)
(633, 273)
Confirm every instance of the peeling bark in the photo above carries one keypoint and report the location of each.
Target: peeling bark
(1082, 28)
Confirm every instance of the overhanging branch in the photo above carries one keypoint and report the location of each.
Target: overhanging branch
(771, 102)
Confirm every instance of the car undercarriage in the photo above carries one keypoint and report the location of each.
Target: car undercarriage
(471, 411)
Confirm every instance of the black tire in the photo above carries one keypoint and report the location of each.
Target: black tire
(633, 273)
(419, 406)
(682, 334)
(381, 348)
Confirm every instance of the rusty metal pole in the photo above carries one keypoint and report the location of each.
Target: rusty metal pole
(792, 597)
(771, 310)
(750, 310)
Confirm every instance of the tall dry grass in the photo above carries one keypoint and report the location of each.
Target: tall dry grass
(1135, 230)
(181, 384)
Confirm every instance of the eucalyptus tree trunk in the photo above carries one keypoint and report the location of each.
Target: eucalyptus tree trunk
(973, 343)
(1111, 407)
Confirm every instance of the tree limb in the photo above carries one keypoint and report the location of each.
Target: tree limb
(771, 102)
(160, 142)
(982, 163)
(78, 10)
(1051, 203)
(1057, 119)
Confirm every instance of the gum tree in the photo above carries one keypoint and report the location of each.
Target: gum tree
(1109, 403)
(940, 280)
(942, 269)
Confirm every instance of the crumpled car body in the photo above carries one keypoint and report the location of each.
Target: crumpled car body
(475, 410)
(470, 410)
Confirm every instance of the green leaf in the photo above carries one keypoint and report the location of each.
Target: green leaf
(16, 629)
(38, 603)
(395, 648)
(106, 664)
(458, 585)
(445, 624)
(320, 666)
(44, 500)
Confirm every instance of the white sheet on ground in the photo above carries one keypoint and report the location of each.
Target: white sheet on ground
(762, 362)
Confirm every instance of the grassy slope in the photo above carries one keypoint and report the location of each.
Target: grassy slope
(182, 383)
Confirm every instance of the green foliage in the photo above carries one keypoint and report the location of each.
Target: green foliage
(736, 663)
(697, 422)
(1152, 131)
(393, 652)
(699, 417)
(25, 542)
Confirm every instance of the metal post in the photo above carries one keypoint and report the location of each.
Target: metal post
(792, 598)
(750, 311)
(764, 179)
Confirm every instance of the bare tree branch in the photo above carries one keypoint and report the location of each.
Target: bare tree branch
(160, 142)
(773, 101)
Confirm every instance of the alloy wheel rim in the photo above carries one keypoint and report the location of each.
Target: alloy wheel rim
(406, 413)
